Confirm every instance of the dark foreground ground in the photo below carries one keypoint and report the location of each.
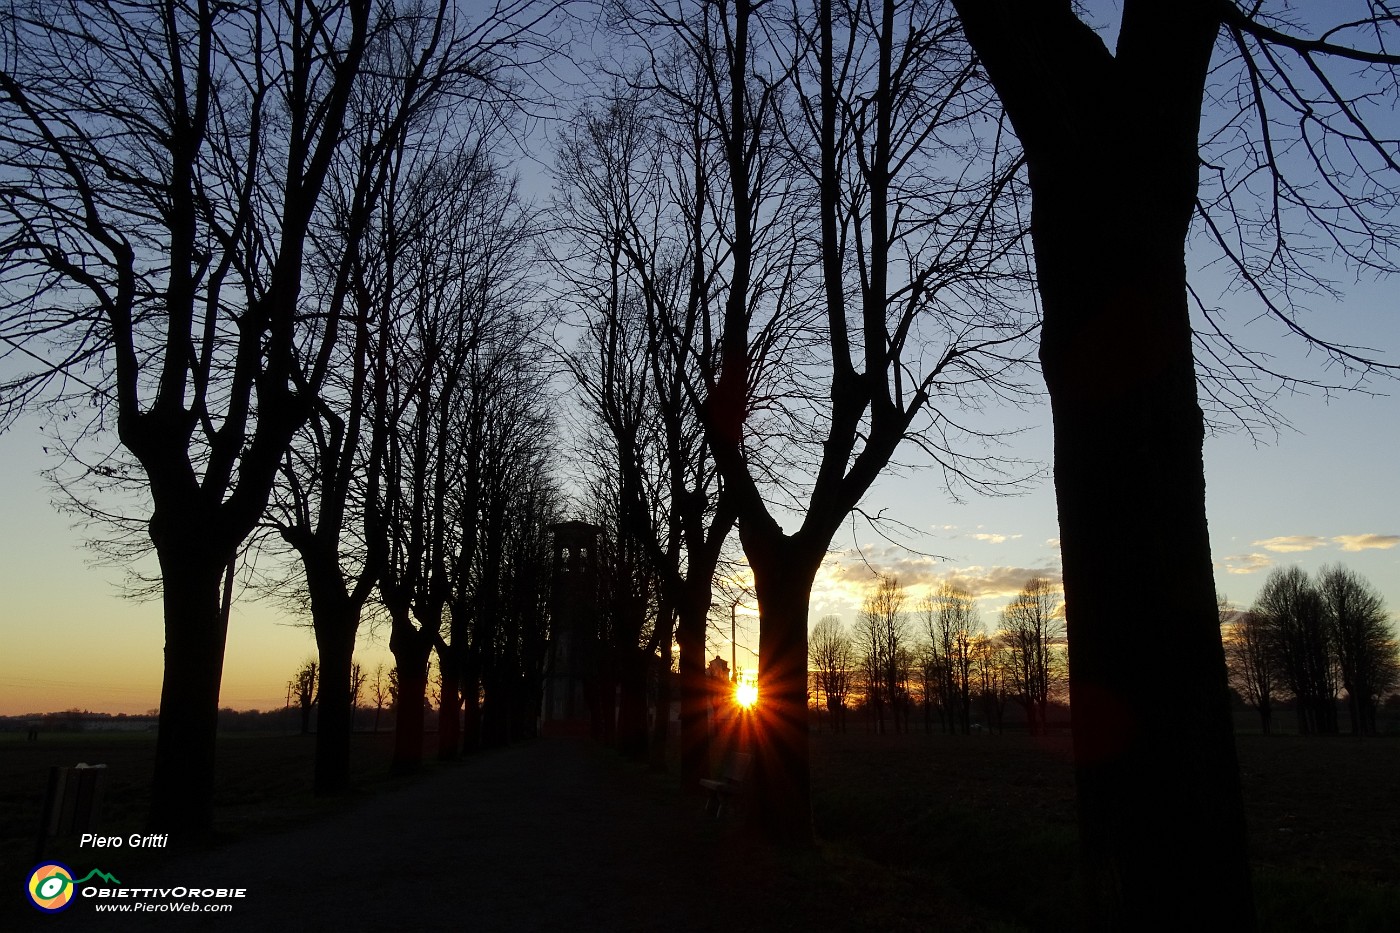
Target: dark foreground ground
(916, 833)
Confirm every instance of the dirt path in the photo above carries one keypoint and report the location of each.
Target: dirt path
(551, 835)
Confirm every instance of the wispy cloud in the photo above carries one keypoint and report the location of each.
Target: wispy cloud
(1366, 542)
(1246, 563)
(993, 538)
(1053, 542)
(1288, 544)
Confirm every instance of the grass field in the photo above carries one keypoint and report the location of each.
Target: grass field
(984, 824)
(991, 818)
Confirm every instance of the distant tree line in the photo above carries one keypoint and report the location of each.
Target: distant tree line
(941, 662)
(1308, 641)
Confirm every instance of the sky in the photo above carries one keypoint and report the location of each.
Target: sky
(1323, 491)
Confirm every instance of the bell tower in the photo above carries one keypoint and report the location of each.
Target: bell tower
(574, 620)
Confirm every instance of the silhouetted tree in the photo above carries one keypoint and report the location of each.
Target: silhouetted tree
(883, 634)
(1032, 628)
(1155, 779)
(463, 462)
(641, 265)
(502, 565)
(357, 686)
(1364, 642)
(951, 624)
(330, 485)
(165, 162)
(832, 658)
(991, 664)
(305, 689)
(1301, 642)
(857, 299)
(379, 690)
(1252, 666)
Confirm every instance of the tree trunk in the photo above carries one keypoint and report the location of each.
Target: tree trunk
(695, 696)
(182, 790)
(632, 702)
(449, 712)
(335, 622)
(661, 725)
(1111, 148)
(471, 697)
(411, 661)
(1158, 783)
(782, 784)
(334, 717)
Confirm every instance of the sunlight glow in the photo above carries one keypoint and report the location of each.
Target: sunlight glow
(746, 694)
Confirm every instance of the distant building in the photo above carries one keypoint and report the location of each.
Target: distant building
(574, 616)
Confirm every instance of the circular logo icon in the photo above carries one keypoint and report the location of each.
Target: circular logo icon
(50, 887)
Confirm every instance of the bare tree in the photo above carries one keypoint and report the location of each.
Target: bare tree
(165, 162)
(379, 690)
(357, 686)
(1250, 658)
(463, 401)
(1301, 642)
(501, 571)
(1032, 628)
(331, 477)
(305, 689)
(1289, 155)
(883, 637)
(637, 267)
(831, 653)
(991, 663)
(856, 298)
(1364, 641)
(951, 624)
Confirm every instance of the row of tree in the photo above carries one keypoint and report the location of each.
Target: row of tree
(1310, 639)
(272, 248)
(942, 660)
(802, 227)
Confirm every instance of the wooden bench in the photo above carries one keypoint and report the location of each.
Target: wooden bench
(727, 789)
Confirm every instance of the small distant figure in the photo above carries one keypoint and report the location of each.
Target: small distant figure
(33, 734)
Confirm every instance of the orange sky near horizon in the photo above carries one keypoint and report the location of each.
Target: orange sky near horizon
(1324, 493)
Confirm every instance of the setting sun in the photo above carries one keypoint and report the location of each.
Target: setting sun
(746, 694)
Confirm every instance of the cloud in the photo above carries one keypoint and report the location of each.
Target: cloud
(993, 539)
(1246, 563)
(847, 577)
(1053, 542)
(1290, 543)
(997, 581)
(1366, 542)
